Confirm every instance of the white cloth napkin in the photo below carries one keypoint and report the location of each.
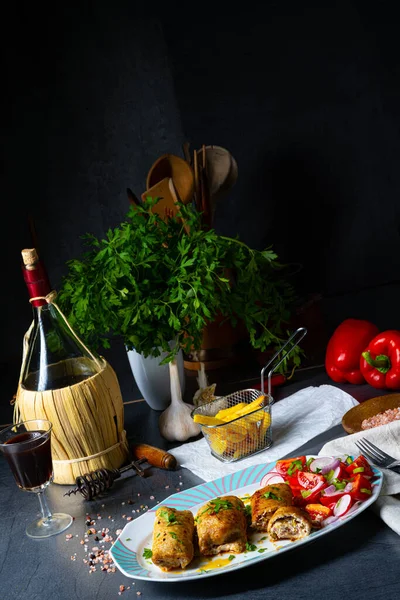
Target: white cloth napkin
(295, 420)
(387, 438)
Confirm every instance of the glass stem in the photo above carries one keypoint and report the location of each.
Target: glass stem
(44, 507)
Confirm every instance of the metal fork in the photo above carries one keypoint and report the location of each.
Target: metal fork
(377, 456)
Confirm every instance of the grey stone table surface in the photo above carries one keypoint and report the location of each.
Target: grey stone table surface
(359, 560)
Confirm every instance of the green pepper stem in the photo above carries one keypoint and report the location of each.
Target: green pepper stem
(381, 362)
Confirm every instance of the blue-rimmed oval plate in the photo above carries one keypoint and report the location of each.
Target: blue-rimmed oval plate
(127, 551)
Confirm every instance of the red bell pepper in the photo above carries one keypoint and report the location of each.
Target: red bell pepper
(349, 340)
(380, 361)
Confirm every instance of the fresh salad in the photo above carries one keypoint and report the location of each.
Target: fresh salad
(326, 487)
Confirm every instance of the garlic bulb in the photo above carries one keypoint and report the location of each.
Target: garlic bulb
(175, 423)
(205, 393)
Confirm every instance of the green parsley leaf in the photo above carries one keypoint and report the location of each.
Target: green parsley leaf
(150, 280)
(231, 557)
(271, 496)
(147, 553)
(250, 547)
(128, 539)
(261, 550)
(173, 535)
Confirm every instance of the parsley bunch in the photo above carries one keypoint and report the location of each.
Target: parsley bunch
(150, 281)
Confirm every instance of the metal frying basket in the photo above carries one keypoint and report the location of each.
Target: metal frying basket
(250, 432)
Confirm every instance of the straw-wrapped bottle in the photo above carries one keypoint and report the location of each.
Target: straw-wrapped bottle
(63, 381)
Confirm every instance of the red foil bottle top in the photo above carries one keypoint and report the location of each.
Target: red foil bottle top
(35, 276)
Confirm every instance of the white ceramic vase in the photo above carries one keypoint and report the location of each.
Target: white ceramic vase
(153, 379)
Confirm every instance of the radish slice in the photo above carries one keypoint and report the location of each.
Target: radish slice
(329, 520)
(324, 464)
(354, 507)
(271, 477)
(342, 505)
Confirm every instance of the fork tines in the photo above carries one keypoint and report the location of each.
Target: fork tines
(374, 454)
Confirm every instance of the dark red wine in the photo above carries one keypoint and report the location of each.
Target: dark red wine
(29, 457)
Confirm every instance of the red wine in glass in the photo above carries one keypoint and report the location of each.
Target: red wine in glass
(29, 457)
(27, 449)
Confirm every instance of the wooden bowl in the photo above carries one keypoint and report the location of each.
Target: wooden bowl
(351, 421)
(174, 167)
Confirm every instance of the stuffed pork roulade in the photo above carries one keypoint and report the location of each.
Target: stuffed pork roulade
(289, 523)
(173, 533)
(222, 526)
(265, 501)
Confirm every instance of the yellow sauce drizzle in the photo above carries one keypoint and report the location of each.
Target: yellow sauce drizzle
(215, 564)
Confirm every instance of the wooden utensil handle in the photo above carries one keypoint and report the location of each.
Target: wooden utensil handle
(155, 456)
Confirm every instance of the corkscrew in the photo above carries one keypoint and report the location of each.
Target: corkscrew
(99, 481)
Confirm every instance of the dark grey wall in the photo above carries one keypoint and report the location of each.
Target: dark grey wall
(304, 94)
(89, 106)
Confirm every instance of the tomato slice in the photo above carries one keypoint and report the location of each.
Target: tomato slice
(309, 481)
(360, 466)
(332, 499)
(343, 473)
(289, 466)
(361, 488)
(318, 513)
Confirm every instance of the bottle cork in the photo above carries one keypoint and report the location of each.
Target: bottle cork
(29, 257)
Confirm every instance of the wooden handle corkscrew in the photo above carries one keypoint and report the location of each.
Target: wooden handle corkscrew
(155, 456)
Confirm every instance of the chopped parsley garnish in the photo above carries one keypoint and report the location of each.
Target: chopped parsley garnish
(247, 510)
(169, 517)
(231, 557)
(250, 547)
(261, 550)
(271, 496)
(173, 535)
(128, 539)
(215, 506)
(295, 465)
(147, 553)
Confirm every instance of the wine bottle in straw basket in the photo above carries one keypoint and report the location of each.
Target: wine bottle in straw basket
(63, 381)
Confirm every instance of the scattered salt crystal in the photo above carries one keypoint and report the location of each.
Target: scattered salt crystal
(152, 498)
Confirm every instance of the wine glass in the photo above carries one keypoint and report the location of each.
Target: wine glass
(26, 447)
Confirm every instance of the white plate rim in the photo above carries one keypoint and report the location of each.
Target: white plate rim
(124, 555)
